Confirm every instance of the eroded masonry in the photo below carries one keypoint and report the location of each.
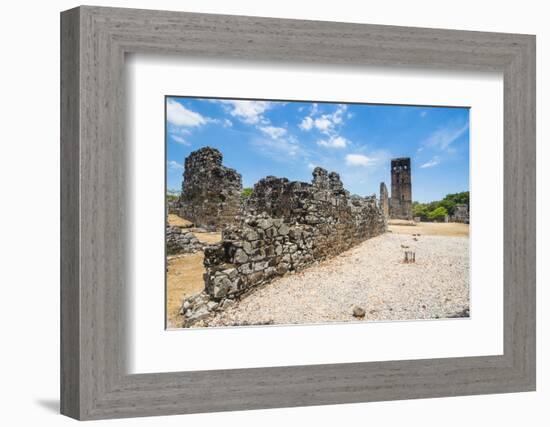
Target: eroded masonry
(283, 226)
(384, 200)
(286, 226)
(211, 193)
(401, 189)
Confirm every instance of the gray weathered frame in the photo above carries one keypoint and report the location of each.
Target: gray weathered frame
(94, 41)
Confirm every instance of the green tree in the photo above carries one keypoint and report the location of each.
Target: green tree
(420, 210)
(451, 200)
(438, 214)
(448, 203)
(246, 193)
(172, 195)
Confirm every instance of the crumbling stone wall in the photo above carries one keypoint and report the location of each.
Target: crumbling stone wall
(180, 241)
(461, 214)
(211, 192)
(287, 226)
(173, 207)
(384, 200)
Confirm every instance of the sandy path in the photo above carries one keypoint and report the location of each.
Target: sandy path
(371, 276)
(430, 228)
(185, 272)
(177, 221)
(208, 237)
(183, 279)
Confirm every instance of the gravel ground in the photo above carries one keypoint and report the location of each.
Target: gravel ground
(371, 276)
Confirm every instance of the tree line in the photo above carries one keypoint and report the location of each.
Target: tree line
(437, 210)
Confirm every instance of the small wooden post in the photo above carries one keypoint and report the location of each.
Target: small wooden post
(410, 257)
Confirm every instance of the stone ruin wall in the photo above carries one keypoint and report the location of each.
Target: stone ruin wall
(384, 200)
(286, 226)
(180, 241)
(461, 214)
(173, 207)
(211, 192)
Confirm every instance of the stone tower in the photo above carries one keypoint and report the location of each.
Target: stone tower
(211, 192)
(401, 191)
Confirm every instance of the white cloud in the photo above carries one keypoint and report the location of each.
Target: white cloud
(227, 123)
(431, 163)
(178, 115)
(179, 140)
(178, 130)
(359, 160)
(273, 132)
(325, 123)
(333, 142)
(423, 114)
(311, 166)
(337, 115)
(172, 164)
(282, 150)
(250, 112)
(442, 138)
(306, 124)
(314, 109)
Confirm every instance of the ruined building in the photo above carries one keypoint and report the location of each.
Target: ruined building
(461, 214)
(384, 200)
(285, 226)
(211, 192)
(401, 192)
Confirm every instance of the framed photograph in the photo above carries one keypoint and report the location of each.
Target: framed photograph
(262, 213)
(247, 248)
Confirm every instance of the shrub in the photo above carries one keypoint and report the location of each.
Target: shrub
(246, 193)
(438, 214)
(423, 210)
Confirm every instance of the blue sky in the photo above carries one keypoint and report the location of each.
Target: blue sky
(260, 138)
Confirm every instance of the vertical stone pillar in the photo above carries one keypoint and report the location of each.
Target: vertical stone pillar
(384, 200)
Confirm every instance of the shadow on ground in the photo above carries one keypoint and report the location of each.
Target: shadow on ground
(51, 405)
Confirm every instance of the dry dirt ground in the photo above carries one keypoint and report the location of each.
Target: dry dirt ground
(176, 221)
(430, 228)
(184, 275)
(203, 236)
(208, 237)
(370, 275)
(184, 278)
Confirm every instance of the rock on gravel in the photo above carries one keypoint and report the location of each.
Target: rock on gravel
(359, 312)
(370, 276)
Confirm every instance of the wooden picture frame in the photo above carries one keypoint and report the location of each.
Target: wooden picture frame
(94, 382)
